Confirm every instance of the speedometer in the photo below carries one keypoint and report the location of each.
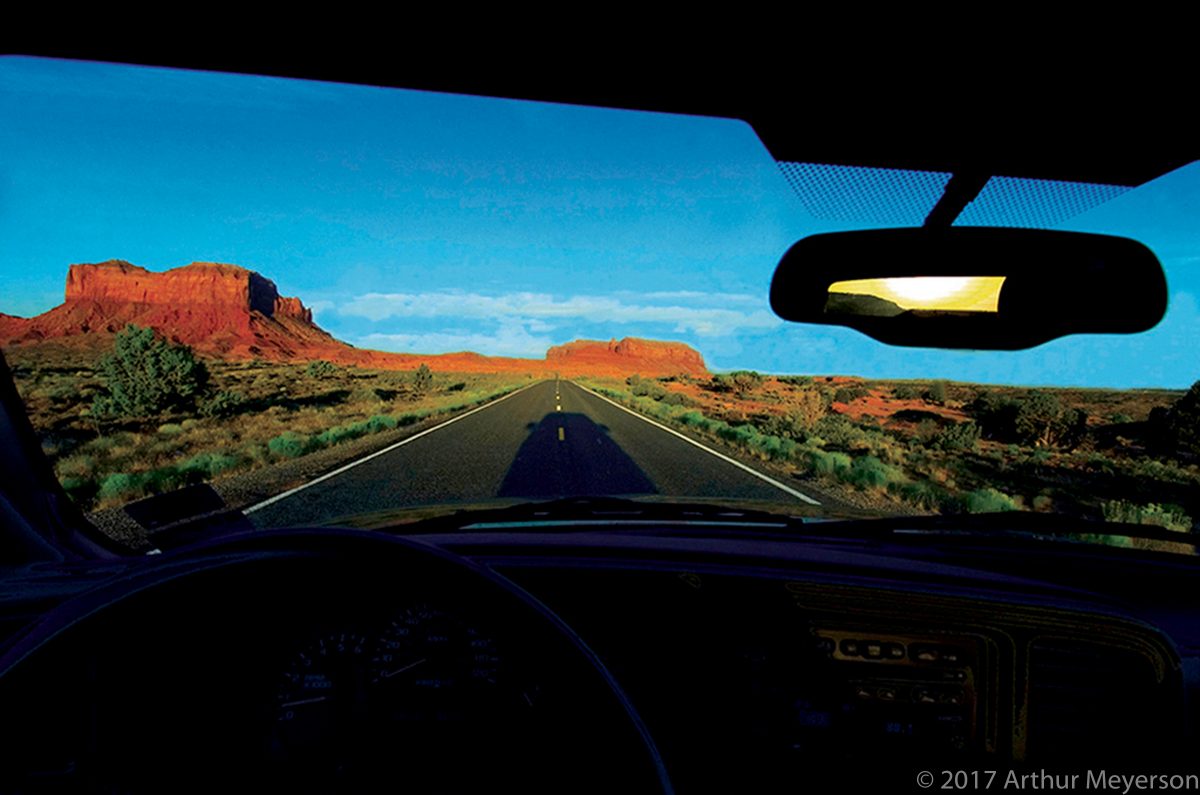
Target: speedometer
(430, 665)
(323, 696)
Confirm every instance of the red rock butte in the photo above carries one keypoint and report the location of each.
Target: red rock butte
(229, 312)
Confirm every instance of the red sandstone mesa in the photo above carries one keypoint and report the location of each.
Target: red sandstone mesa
(229, 312)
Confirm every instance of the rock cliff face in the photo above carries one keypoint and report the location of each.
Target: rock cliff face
(230, 312)
(648, 357)
(218, 309)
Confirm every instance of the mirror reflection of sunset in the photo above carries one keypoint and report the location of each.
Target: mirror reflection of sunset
(951, 293)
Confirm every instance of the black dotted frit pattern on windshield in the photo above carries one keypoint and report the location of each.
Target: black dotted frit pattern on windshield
(1035, 203)
(865, 195)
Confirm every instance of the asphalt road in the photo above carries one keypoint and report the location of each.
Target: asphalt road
(553, 439)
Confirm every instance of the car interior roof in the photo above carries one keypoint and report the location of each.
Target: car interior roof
(1017, 117)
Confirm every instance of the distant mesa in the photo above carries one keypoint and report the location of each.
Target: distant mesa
(229, 312)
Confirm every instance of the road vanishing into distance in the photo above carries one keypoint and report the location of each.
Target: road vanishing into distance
(550, 440)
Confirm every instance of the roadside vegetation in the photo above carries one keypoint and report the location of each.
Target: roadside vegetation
(150, 417)
(940, 447)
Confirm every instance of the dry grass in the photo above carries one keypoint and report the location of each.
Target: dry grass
(270, 411)
(885, 444)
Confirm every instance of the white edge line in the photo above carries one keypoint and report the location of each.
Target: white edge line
(377, 453)
(781, 486)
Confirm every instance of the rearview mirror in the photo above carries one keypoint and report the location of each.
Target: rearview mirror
(971, 287)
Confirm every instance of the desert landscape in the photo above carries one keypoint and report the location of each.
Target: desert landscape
(141, 383)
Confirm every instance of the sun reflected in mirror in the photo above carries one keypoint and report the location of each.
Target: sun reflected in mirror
(886, 297)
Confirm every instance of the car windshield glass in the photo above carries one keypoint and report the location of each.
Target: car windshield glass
(309, 303)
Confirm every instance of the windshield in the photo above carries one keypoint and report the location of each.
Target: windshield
(322, 304)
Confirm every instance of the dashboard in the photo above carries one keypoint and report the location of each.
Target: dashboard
(587, 661)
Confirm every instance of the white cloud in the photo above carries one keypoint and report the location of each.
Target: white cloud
(528, 309)
(510, 339)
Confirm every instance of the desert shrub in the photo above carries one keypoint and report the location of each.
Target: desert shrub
(118, 484)
(921, 494)
(837, 431)
(422, 380)
(145, 375)
(1036, 419)
(825, 463)
(459, 387)
(848, 394)
(321, 369)
(987, 500)
(1171, 517)
(382, 422)
(936, 393)
(644, 388)
(777, 449)
(676, 399)
(223, 404)
(807, 407)
(1119, 419)
(170, 429)
(336, 435)
(868, 472)
(958, 437)
(927, 430)
(207, 465)
(905, 392)
(288, 444)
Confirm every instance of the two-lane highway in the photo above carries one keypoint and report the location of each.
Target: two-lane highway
(552, 439)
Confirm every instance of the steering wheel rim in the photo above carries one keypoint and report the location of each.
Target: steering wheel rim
(147, 592)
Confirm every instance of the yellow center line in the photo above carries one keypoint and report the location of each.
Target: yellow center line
(561, 435)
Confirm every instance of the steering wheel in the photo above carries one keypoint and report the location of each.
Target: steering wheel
(316, 660)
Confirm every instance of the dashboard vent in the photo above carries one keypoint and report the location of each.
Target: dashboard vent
(1091, 702)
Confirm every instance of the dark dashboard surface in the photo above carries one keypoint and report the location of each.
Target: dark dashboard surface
(590, 661)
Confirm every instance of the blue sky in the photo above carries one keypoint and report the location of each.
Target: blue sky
(421, 222)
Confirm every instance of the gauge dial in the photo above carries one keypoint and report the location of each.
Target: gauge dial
(429, 665)
(324, 692)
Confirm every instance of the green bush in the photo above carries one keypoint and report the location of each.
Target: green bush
(382, 422)
(848, 394)
(146, 375)
(905, 392)
(987, 501)
(922, 494)
(1171, 517)
(118, 484)
(838, 431)
(961, 436)
(676, 399)
(422, 380)
(936, 393)
(868, 472)
(824, 463)
(288, 444)
(739, 381)
(321, 369)
(222, 404)
(1035, 419)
